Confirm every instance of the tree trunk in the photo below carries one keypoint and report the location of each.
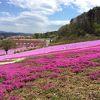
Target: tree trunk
(6, 52)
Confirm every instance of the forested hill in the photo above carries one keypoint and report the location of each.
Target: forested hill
(84, 27)
(86, 23)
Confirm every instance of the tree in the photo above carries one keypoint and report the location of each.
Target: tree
(36, 35)
(7, 44)
(97, 29)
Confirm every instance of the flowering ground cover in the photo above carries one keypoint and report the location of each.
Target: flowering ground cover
(65, 75)
(49, 49)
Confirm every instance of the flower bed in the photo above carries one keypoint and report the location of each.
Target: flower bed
(16, 75)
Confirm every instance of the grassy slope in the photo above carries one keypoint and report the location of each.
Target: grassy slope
(74, 39)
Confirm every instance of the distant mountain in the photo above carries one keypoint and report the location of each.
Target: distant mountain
(7, 34)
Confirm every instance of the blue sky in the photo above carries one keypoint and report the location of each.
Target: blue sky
(32, 16)
(66, 14)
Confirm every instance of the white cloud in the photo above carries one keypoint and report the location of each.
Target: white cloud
(82, 5)
(85, 5)
(52, 6)
(56, 24)
(43, 6)
(25, 22)
(29, 22)
(36, 19)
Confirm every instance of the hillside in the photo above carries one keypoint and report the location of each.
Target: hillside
(65, 72)
(82, 28)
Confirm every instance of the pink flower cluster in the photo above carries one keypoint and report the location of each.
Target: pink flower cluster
(48, 86)
(14, 98)
(94, 75)
(16, 75)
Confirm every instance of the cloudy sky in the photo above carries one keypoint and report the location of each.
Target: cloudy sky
(32, 16)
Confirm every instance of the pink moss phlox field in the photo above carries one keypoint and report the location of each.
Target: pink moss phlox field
(16, 75)
(49, 49)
